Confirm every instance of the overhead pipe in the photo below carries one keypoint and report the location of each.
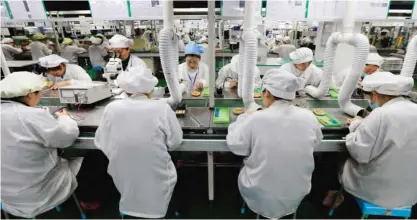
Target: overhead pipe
(168, 47)
(248, 57)
(410, 58)
(211, 52)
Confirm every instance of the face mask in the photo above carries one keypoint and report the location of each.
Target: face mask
(363, 75)
(373, 106)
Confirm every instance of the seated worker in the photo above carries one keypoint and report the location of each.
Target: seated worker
(9, 49)
(105, 42)
(34, 179)
(193, 73)
(61, 73)
(70, 51)
(140, 165)
(228, 75)
(373, 62)
(275, 43)
(97, 53)
(302, 67)
(383, 150)
(121, 47)
(38, 47)
(267, 139)
(285, 49)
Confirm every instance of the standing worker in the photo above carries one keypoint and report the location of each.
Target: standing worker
(97, 53)
(140, 165)
(301, 66)
(285, 49)
(70, 51)
(193, 72)
(383, 150)
(9, 49)
(278, 143)
(34, 178)
(121, 47)
(229, 75)
(62, 73)
(38, 47)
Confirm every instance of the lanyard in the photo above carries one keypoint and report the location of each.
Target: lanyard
(195, 78)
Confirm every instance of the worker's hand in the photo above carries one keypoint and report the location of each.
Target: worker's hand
(354, 123)
(60, 84)
(233, 83)
(198, 86)
(61, 113)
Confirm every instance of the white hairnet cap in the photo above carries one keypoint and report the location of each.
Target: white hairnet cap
(281, 84)
(51, 61)
(387, 83)
(7, 40)
(137, 80)
(301, 55)
(278, 38)
(120, 41)
(374, 59)
(95, 40)
(286, 40)
(20, 84)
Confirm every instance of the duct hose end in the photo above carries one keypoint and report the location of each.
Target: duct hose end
(315, 92)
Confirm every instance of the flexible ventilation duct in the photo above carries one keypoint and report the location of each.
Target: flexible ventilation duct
(249, 57)
(168, 48)
(410, 58)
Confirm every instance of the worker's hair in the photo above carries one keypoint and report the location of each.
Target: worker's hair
(55, 68)
(276, 98)
(193, 55)
(388, 96)
(19, 99)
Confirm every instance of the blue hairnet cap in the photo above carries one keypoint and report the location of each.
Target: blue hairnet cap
(193, 48)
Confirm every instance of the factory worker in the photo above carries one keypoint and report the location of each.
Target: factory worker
(228, 75)
(302, 67)
(61, 73)
(70, 51)
(105, 42)
(193, 73)
(97, 53)
(383, 150)
(274, 44)
(9, 49)
(38, 47)
(181, 43)
(285, 49)
(373, 62)
(279, 165)
(75, 40)
(34, 179)
(121, 47)
(140, 165)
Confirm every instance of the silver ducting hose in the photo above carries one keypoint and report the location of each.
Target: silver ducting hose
(410, 59)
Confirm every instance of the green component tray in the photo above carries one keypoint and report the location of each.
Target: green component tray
(206, 92)
(334, 93)
(328, 121)
(221, 116)
(258, 90)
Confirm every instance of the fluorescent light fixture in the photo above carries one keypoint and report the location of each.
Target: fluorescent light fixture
(400, 11)
(399, 18)
(78, 12)
(192, 9)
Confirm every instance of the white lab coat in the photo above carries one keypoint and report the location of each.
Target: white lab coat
(279, 143)
(71, 52)
(284, 50)
(202, 75)
(38, 50)
(97, 54)
(226, 74)
(33, 178)
(311, 76)
(9, 51)
(73, 73)
(382, 167)
(273, 45)
(135, 62)
(135, 134)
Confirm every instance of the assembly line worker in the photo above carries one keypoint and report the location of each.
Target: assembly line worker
(228, 75)
(34, 179)
(275, 43)
(285, 49)
(193, 72)
(97, 52)
(121, 46)
(382, 146)
(61, 73)
(140, 165)
(373, 63)
(279, 165)
(105, 42)
(301, 66)
(70, 51)
(38, 47)
(9, 49)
